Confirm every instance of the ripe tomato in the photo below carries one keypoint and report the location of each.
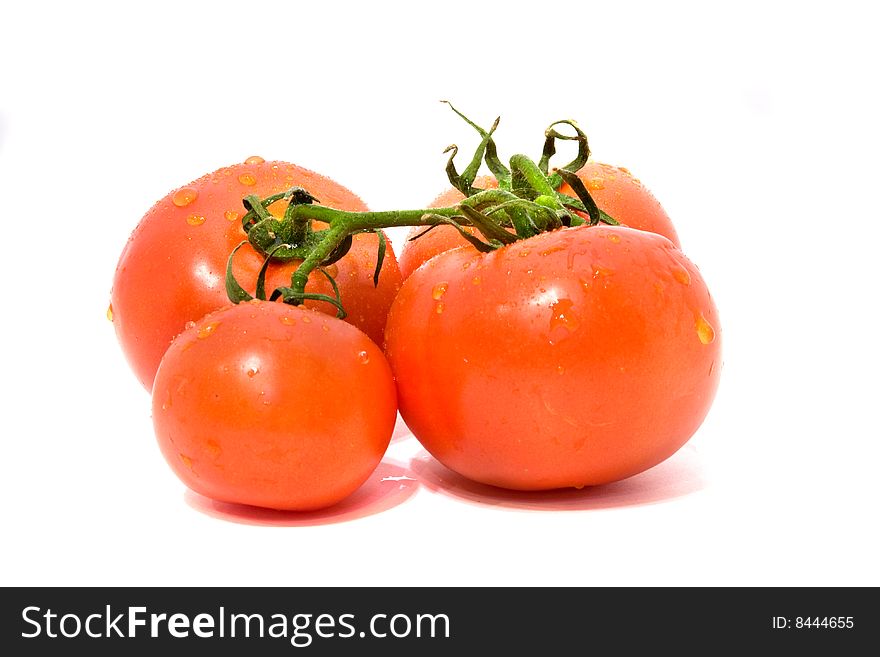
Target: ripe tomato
(577, 357)
(614, 189)
(271, 405)
(172, 269)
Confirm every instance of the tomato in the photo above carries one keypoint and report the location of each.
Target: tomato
(577, 357)
(172, 269)
(614, 189)
(275, 406)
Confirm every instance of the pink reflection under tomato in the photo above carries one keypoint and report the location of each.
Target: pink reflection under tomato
(390, 484)
(676, 477)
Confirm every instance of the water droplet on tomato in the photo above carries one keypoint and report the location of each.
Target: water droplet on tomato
(439, 290)
(704, 330)
(325, 328)
(184, 196)
(563, 320)
(254, 159)
(206, 330)
(307, 319)
(195, 219)
(553, 249)
(476, 280)
(439, 307)
(333, 270)
(110, 312)
(187, 461)
(560, 369)
(252, 372)
(682, 276)
(213, 448)
(601, 272)
(614, 238)
(524, 253)
(247, 179)
(231, 215)
(190, 324)
(595, 183)
(363, 357)
(623, 169)
(290, 321)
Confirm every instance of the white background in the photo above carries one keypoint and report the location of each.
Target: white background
(755, 125)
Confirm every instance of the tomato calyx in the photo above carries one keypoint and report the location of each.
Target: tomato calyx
(526, 202)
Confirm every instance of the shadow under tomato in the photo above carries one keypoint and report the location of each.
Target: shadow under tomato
(390, 484)
(678, 476)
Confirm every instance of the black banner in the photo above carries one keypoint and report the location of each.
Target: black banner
(435, 621)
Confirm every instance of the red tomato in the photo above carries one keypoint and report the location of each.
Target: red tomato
(271, 405)
(172, 269)
(614, 189)
(577, 357)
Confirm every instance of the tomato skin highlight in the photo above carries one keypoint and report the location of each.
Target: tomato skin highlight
(614, 189)
(172, 269)
(274, 406)
(578, 357)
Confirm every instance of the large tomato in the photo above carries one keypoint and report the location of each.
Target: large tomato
(577, 357)
(172, 269)
(614, 189)
(274, 406)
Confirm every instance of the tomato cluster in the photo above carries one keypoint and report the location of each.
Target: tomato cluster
(576, 354)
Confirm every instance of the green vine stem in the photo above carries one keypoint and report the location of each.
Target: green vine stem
(526, 202)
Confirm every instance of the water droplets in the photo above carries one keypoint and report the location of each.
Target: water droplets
(248, 179)
(187, 461)
(110, 312)
(207, 330)
(476, 280)
(438, 308)
(563, 320)
(231, 215)
(596, 183)
(614, 238)
(252, 371)
(363, 357)
(195, 219)
(682, 276)
(562, 246)
(439, 290)
(705, 331)
(287, 320)
(184, 196)
(254, 159)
